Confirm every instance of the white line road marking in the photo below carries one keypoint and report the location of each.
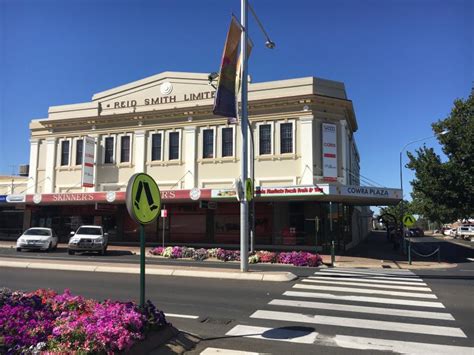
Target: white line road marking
(219, 351)
(174, 315)
(363, 309)
(365, 299)
(349, 342)
(374, 271)
(364, 290)
(371, 280)
(278, 334)
(470, 259)
(336, 271)
(396, 346)
(369, 276)
(360, 323)
(337, 282)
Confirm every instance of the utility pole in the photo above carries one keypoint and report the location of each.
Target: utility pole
(244, 211)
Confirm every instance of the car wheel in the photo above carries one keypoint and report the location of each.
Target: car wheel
(70, 252)
(50, 247)
(18, 249)
(103, 251)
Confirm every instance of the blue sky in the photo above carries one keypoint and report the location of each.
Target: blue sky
(403, 61)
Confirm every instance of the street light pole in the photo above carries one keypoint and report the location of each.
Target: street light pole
(401, 173)
(244, 212)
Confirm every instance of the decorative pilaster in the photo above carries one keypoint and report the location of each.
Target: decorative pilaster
(50, 171)
(190, 179)
(344, 152)
(33, 169)
(306, 144)
(140, 152)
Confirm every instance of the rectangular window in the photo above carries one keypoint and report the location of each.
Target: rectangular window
(286, 138)
(125, 149)
(174, 146)
(109, 150)
(265, 139)
(227, 142)
(208, 143)
(156, 146)
(79, 151)
(64, 153)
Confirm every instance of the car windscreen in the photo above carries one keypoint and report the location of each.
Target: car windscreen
(89, 231)
(43, 232)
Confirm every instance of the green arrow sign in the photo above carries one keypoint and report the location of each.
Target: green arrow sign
(143, 198)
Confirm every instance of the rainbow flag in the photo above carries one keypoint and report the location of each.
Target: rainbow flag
(225, 103)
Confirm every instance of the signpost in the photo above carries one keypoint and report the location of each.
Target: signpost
(164, 214)
(88, 162)
(143, 203)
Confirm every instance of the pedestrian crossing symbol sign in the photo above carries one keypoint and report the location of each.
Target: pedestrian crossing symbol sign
(143, 198)
(408, 220)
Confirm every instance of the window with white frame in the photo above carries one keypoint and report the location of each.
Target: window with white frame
(65, 144)
(125, 149)
(227, 142)
(208, 143)
(109, 143)
(265, 139)
(173, 152)
(156, 146)
(79, 151)
(286, 138)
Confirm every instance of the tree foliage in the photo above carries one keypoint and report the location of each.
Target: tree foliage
(398, 211)
(444, 191)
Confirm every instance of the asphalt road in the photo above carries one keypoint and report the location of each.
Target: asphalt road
(263, 309)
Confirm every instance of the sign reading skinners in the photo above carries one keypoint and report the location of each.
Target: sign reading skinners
(329, 152)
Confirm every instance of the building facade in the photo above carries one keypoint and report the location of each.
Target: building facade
(306, 163)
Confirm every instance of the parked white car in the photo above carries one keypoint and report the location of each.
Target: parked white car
(88, 238)
(37, 238)
(465, 232)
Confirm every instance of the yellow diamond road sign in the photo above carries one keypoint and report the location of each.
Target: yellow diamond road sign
(143, 198)
(408, 220)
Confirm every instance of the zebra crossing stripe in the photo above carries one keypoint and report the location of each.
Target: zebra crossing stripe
(337, 271)
(220, 351)
(383, 300)
(341, 341)
(397, 346)
(364, 290)
(393, 287)
(279, 334)
(366, 280)
(370, 277)
(363, 309)
(375, 271)
(360, 323)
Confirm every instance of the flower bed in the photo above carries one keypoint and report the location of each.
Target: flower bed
(44, 321)
(297, 258)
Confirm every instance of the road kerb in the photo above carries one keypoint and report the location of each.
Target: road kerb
(128, 269)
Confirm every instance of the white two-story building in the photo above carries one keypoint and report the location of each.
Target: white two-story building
(306, 163)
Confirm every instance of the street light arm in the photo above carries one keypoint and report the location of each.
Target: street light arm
(270, 44)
